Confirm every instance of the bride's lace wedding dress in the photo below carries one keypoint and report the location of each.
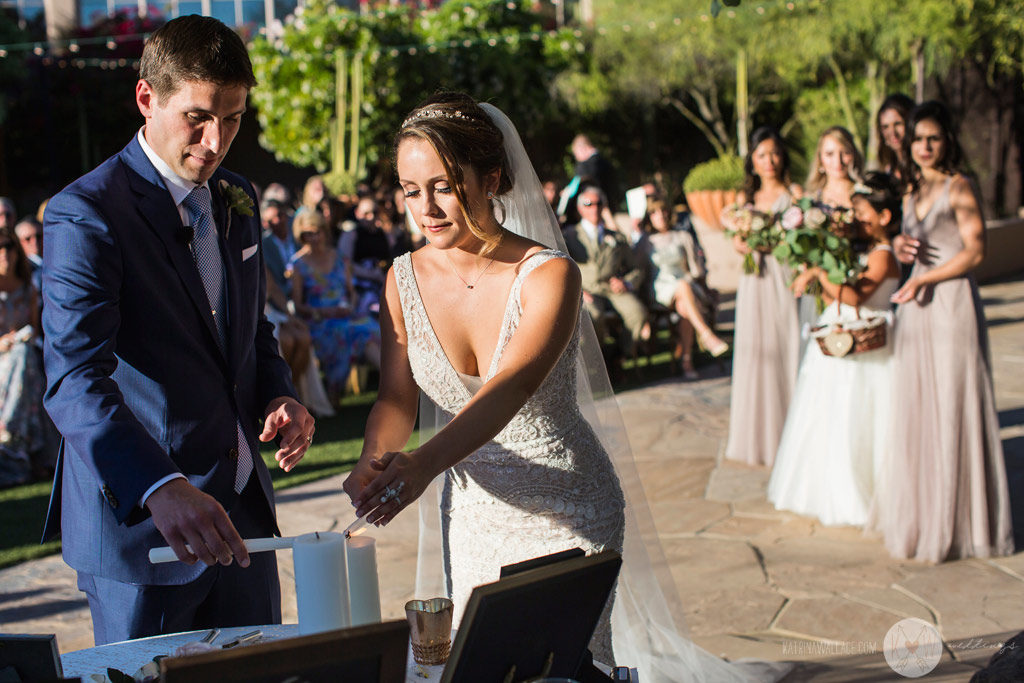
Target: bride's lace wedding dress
(542, 485)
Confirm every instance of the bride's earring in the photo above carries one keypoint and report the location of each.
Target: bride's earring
(496, 203)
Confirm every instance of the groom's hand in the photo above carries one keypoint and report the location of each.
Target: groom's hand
(289, 419)
(187, 516)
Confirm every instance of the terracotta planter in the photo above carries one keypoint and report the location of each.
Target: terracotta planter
(707, 205)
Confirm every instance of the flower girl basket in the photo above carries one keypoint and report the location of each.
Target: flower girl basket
(843, 338)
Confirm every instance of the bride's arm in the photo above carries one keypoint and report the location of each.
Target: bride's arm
(551, 304)
(393, 415)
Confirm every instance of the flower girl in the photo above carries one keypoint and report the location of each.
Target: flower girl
(835, 437)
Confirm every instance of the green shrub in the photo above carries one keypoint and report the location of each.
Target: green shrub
(723, 173)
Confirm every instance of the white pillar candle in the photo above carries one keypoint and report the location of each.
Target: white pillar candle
(321, 587)
(363, 589)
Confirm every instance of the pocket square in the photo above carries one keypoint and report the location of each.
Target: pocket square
(249, 252)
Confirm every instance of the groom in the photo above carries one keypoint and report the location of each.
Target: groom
(160, 363)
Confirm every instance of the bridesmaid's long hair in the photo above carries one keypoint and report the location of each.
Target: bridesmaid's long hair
(816, 176)
(752, 181)
(463, 136)
(952, 161)
(901, 104)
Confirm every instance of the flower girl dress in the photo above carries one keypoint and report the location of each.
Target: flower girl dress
(837, 428)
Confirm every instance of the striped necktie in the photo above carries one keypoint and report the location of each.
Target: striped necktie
(210, 264)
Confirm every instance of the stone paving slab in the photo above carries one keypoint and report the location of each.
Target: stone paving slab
(754, 581)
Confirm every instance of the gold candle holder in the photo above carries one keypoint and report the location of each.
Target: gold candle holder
(430, 629)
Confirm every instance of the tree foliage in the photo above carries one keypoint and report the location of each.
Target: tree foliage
(494, 50)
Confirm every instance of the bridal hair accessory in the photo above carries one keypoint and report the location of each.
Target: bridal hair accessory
(479, 275)
(861, 188)
(435, 114)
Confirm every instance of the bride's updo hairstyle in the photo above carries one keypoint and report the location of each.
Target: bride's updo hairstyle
(466, 140)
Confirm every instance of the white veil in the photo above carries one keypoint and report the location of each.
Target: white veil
(647, 618)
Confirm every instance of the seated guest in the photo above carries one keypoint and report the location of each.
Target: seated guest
(8, 213)
(368, 249)
(335, 212)
(22, 434)
(278, 249)
(30, 235)
(611, 275)
(394, 226)
(678, 282)
(323, 295)
(313, 192)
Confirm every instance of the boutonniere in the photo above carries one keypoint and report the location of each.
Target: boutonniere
(237, 200)
(609, 241)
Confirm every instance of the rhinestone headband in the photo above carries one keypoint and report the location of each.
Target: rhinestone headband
(435, 114)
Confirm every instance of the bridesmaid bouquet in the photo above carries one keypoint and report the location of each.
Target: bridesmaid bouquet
(818, 235)
(758, 230)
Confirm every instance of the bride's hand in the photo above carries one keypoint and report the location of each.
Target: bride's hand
(358, 479)
(402, 479)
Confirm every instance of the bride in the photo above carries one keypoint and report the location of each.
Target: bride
(485, 320)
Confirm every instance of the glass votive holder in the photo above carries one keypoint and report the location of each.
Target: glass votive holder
(430, 629)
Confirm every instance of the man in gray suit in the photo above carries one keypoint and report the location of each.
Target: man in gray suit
(611, 276)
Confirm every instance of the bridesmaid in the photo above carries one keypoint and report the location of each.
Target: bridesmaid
(946, 495)
(891, 122)
(836, 168)
(765, 345)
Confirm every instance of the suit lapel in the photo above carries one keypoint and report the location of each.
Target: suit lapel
(158, 210)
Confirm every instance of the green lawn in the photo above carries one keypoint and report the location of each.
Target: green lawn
(335, 449)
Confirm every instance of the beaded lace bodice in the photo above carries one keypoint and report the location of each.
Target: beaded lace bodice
(548, 413)
(542, 485)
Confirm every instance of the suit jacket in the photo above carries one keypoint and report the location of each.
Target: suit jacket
(137, 384)
(598, 262)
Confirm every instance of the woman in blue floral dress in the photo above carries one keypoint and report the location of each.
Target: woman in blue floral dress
(323, 295)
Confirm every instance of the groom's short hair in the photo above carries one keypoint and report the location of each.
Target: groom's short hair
(194, 48)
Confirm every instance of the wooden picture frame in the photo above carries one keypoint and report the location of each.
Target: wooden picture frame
(375, 653)
(33, 656)
(533, 622)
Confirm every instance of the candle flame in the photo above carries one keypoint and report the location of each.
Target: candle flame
(356, 532)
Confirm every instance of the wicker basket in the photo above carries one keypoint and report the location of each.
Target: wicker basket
(841, 339)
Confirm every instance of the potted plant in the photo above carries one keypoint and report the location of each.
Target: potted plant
(711, 186)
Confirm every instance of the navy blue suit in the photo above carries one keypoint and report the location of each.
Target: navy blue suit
(137, 384)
